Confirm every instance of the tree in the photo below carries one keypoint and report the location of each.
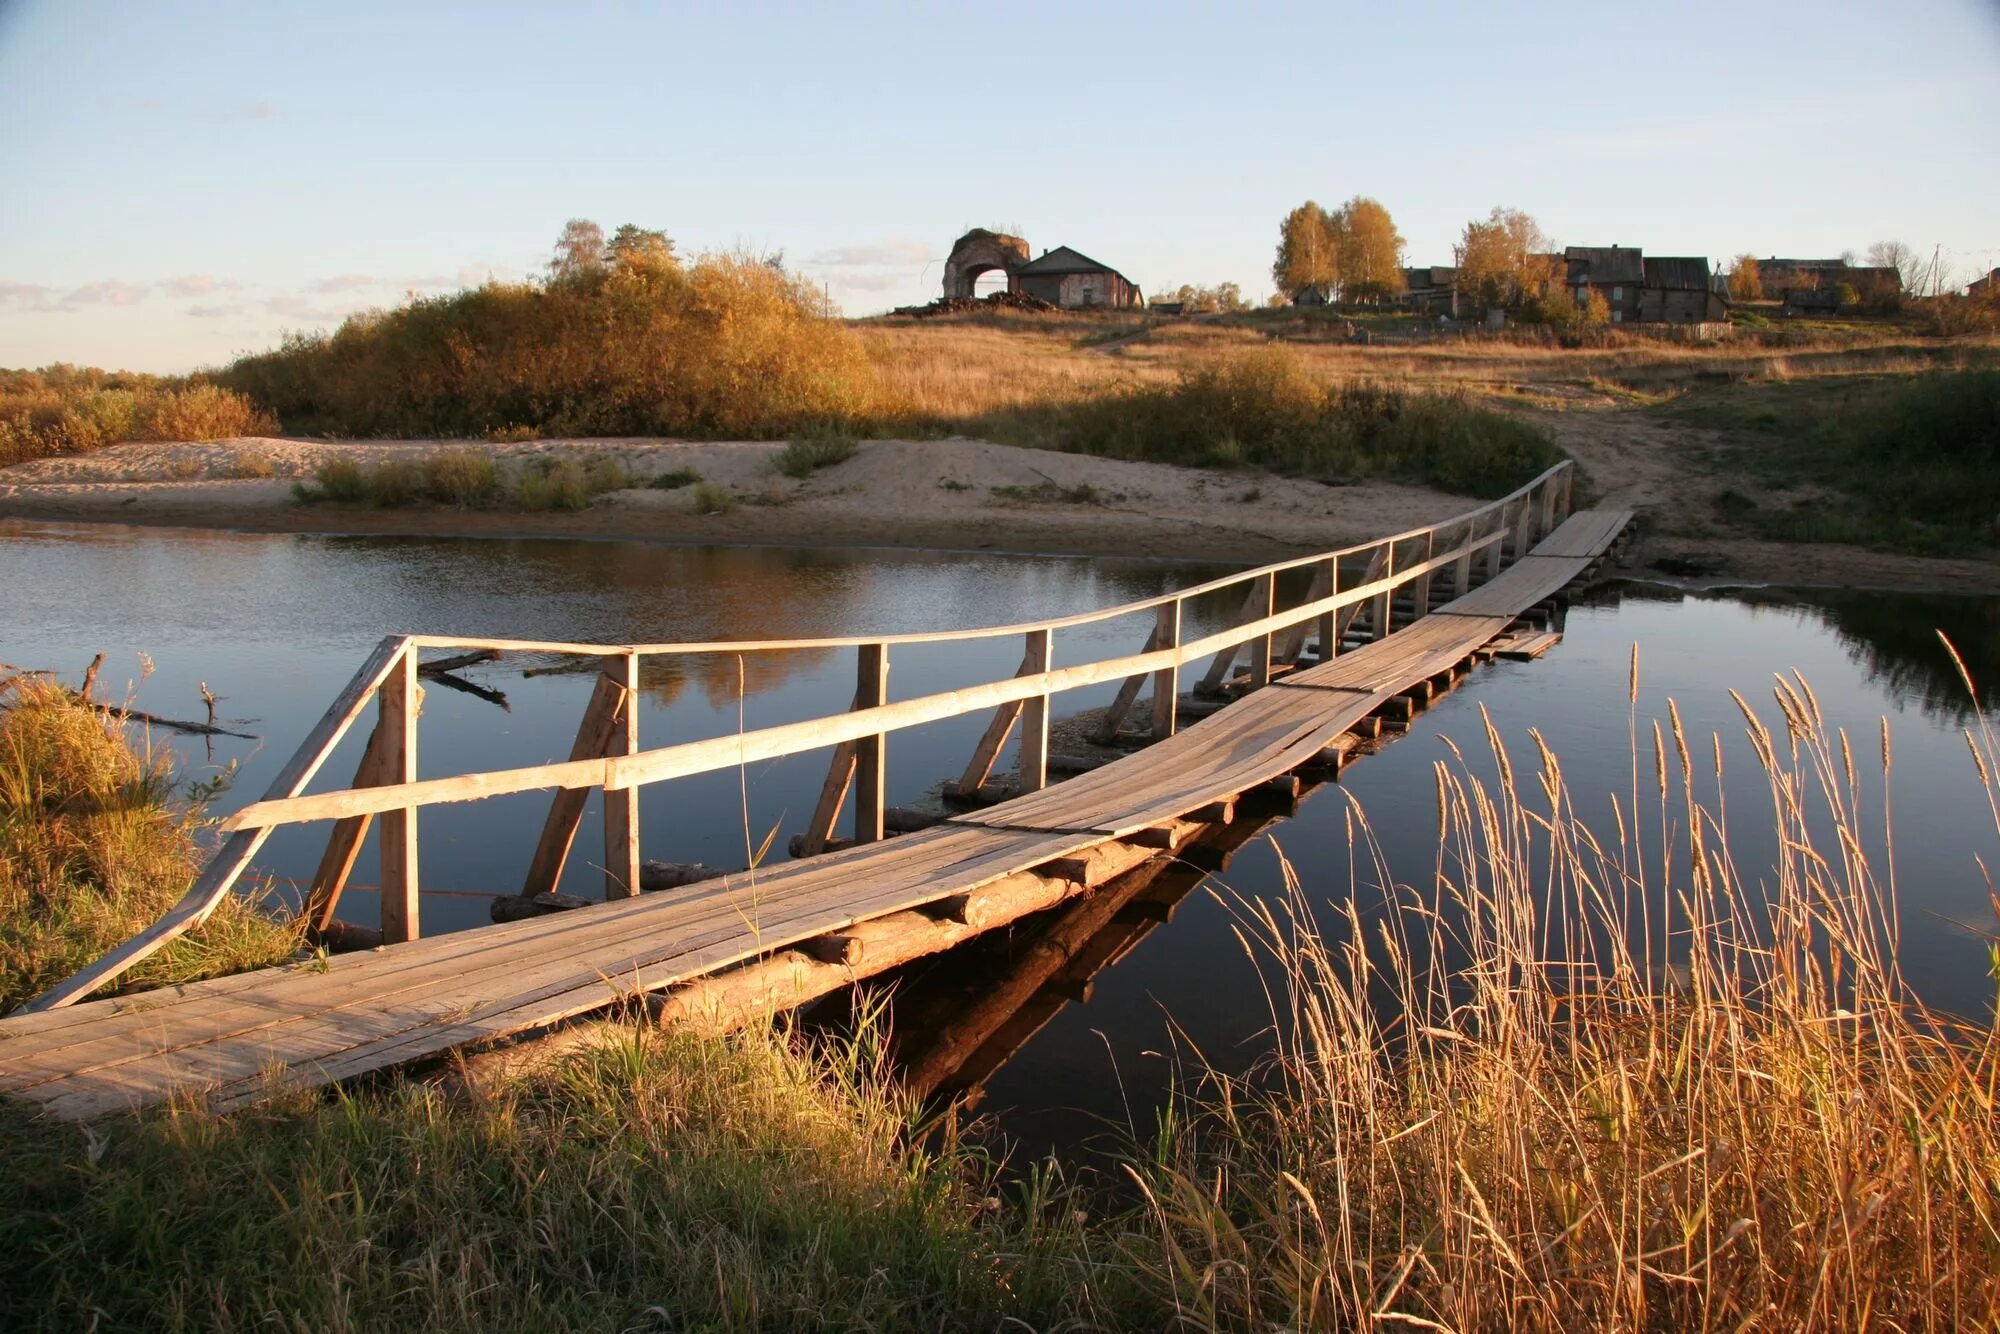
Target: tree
(1895, 255)
(1371, 252)
(1308, 253)
(579, 250)
(640, 250)
(1745, 282)
(1229, 297)
(1504, 259)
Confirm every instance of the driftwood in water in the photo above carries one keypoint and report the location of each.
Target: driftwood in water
(154, 720)
(452, 664)
(464, 686)
(574, 667)
(89, 678)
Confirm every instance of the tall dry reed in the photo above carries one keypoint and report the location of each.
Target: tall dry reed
(1608, 1081)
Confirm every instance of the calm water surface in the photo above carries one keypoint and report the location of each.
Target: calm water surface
(276, 624)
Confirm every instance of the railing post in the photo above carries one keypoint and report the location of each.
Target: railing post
(1496, 550)
(1420, 591)
(400, 699)
(1266, 594)
(1380, 614)
(1035, 718)
(1166, 681)
(1551, 493)
(871, 690)
(1329, 621)
(1461, 572)
(1524, 528)
(621, 807)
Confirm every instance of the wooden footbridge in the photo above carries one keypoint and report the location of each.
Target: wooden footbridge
(1376, 627)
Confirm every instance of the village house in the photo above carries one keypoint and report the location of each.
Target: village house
(1984, 289)
(1064, 277)
(1679, 291)
(1616, 273)
(1431, 289)
(1812, 286)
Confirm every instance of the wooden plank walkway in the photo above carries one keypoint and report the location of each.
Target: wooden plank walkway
(305, 1025)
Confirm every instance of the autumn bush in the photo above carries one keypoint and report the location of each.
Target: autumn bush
(726, 347)
(71, 410)
(1269, 409)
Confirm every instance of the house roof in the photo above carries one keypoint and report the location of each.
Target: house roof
(1688, 273)
(1604, 264)
(1064, 260)
(1429, 275)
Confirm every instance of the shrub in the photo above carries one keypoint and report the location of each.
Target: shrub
(341, 480)
(461, 477)
(803, 455)
(66, 410)
(675, 480)
(711, 499)
(393, 483)
(1266, 409)
(562, 485)
(251, 464)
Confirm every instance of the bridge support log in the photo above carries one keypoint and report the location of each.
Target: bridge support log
(343, 845)
(595, 736)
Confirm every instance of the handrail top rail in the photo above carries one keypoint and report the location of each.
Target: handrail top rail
(986, 631)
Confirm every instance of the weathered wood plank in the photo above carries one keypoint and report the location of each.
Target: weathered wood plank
(400, 700)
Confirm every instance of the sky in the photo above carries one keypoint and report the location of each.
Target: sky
(182, 182)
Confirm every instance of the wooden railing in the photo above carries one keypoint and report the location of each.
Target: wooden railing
(606, 755)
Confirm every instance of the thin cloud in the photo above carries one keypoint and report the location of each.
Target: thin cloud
(214, 312)
(108, 292)
(306, 312)
(251, 111)
(345, 282)
(870, 282)
(873, 255)
(425, 284)
(32, 295)
(196, 284)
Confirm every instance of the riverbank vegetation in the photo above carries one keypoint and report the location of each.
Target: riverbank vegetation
(465, 478)
(96, 842)
(1586, 1073)
(1909, 463)
(73, 410)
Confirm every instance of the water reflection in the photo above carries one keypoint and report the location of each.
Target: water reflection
(276, 624)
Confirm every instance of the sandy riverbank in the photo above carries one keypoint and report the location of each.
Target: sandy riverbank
(960, 494)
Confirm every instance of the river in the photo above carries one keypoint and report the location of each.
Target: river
(275, 624)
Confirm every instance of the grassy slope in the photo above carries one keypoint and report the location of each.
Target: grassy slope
(1906, 462)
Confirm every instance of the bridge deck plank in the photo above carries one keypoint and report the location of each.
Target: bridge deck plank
(317, 1023)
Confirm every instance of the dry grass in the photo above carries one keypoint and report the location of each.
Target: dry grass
(94, 847)
(955, 373)
(1620, 1083)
